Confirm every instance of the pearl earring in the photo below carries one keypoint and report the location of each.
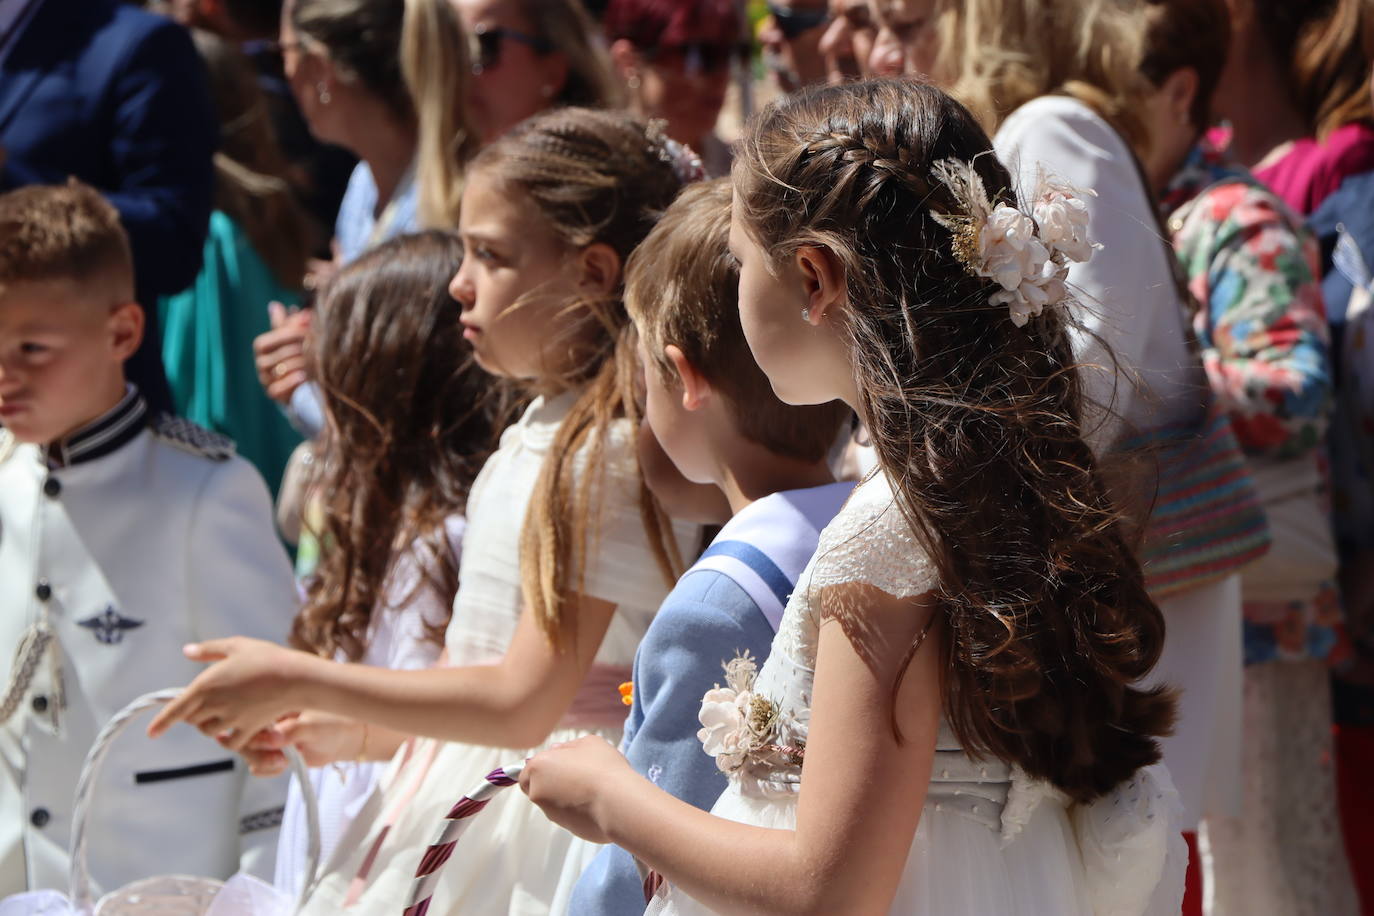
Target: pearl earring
(325, 97)
(806, 315)
(633, 83)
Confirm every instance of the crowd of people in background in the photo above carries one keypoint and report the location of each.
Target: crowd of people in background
(593, 354)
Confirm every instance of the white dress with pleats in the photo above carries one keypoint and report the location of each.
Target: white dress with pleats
(513, 861)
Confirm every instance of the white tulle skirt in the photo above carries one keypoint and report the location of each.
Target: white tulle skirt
(1123, 855)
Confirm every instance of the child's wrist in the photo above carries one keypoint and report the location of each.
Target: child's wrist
(301, 676)
(362, 745)
(612, 804)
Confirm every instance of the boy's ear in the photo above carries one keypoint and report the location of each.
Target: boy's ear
(598, 269)
(126, 324)
(696, 390)
(1180, 89)
(823, 282)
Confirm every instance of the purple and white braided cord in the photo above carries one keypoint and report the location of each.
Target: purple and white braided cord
(457, 820)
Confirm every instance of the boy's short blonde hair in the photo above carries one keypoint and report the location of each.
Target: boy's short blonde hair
(65, 232)
(681, 288)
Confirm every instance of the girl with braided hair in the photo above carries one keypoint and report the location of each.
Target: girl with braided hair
(566, 554)
(1058, 86)
(950, 720)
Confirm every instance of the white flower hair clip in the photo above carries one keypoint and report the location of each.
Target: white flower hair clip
(1026, 254)
(686, 163)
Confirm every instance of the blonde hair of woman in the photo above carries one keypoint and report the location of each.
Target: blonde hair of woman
(436, 67)
(996, 55)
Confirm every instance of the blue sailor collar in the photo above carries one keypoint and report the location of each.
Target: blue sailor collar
(107, 433)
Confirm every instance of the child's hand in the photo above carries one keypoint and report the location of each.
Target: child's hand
(319, 737)
(248, 690)
(568, 782)
(264, 755)
(323, 738)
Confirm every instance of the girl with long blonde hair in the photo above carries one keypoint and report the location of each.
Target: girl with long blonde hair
(567, 555)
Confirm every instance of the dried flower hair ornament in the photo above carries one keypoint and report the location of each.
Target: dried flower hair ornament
(1026, 254)
(686, 163)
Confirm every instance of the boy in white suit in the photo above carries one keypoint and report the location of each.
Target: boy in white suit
(123, 536)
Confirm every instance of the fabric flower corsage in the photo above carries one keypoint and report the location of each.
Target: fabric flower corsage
(735, 721)
(1025, 254)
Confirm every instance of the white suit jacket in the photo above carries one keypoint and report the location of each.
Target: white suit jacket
(134, 537)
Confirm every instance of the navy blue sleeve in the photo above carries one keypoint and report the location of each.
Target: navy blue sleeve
(705, 622)
(164, 134)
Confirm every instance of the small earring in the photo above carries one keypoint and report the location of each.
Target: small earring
(806, 315)
(633, 83)
(546, 91)
(325, 97)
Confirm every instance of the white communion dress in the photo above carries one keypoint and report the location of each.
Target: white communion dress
(991, 840)
(398, 637)
(514, 861)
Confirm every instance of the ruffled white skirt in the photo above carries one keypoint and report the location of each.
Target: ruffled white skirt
(1122, 856)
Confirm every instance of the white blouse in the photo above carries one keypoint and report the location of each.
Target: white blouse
(1126, 289)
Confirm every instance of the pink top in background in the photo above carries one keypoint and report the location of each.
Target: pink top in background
(1311, 170)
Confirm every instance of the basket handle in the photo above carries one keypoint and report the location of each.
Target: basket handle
(455, 823)
(80, 877)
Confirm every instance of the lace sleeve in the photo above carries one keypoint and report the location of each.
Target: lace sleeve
(870, 542)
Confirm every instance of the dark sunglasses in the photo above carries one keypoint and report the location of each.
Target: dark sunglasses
(487, 41)
(794, 22)
(699, 57)
(270, 46)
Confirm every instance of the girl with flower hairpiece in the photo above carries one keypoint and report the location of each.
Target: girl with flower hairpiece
(1055, 82)
(949, 721)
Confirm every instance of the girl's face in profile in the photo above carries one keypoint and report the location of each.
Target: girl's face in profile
(515, 283)
(804, 356)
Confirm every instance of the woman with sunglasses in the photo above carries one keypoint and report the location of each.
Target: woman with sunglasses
(529, 55)
(791, 40)
(675, 57)
(354, 67)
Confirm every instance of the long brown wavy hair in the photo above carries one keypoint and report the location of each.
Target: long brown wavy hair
(410, 422)
(594, 177)
(1047, 625)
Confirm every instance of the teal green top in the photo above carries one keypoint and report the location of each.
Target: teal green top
(207, 347)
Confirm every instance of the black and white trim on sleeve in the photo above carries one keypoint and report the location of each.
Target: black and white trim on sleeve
(262, 820)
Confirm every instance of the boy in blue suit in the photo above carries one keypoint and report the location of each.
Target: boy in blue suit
(715, 415)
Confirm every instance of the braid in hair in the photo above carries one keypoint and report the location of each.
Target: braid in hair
(976, 423)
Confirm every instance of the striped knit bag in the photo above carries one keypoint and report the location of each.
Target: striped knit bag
(1207, 520)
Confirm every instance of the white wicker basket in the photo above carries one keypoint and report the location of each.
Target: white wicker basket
(167, 895)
